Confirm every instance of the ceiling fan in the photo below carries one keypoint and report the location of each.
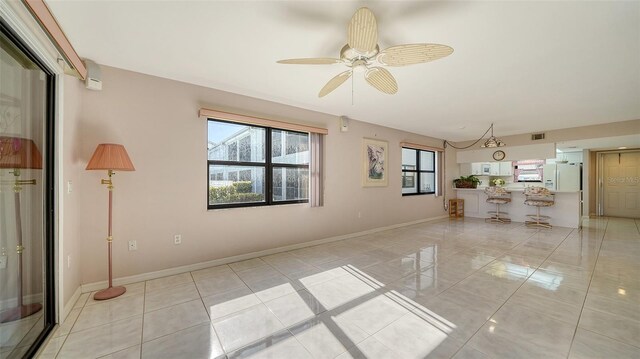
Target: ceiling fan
(362, 54)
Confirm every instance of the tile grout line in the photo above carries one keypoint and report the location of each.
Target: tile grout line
(144, 303)
(593, 271)
(68, 334)
(73, 325)
(82, 308)
(512, 294)
(224, 352)
(519, 244)
(605, 312)
(613, 339)
(477, 270)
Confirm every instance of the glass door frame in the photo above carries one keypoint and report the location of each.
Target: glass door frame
(49, 192)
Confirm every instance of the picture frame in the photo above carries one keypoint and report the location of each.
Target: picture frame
(375, 157)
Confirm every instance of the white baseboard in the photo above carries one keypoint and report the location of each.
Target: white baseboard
(90, 287)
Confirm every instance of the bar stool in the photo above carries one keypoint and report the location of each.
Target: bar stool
(538, 197)
(497, 196)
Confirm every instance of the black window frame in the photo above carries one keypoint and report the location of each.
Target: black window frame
(418, 170)
(268, 166)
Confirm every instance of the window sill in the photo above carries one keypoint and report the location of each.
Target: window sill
(257, 205)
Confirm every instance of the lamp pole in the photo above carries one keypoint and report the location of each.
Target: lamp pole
(21, 310)
(111, 291)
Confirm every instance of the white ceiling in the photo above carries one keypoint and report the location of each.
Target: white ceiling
(603, 143)
(527, 66)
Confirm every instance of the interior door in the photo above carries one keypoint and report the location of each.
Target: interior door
(621, 184)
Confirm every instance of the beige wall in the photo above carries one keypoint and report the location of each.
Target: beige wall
(613, 129)
(156, 119)
(72, 169)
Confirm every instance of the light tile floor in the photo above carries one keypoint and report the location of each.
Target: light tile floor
(461, 289)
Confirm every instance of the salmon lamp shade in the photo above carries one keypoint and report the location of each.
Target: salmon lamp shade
(17, 152)
(110, 156)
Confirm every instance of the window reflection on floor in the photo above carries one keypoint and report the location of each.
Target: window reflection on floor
(437, 289)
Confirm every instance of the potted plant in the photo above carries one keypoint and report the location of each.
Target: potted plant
(466, 182)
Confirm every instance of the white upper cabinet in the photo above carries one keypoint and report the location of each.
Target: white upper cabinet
(487, 169)
(465, 169)
(506, 168)
(495, 169)
(476, 168)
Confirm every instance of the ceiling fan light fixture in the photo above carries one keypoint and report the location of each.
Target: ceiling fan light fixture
(359, 66)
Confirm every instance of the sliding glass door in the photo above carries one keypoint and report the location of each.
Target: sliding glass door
(26, 199)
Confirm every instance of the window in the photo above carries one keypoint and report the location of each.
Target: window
(245, 149)
(232, 151)
(297, 143)
(255, 166)
(276, 143)
(418, 171)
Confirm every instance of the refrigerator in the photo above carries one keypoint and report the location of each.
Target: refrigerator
(562, 177)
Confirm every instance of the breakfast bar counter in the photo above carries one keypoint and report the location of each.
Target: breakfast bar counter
(566, 212)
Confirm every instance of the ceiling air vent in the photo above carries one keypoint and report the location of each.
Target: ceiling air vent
(537, 136)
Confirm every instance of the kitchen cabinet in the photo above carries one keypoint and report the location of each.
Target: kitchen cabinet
(476, 169)
(465, 169)
(495, 169)
(570, 157)
(506, 168)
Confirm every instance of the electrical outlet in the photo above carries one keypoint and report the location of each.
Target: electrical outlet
(133, 245)
(68, 261)
(69, 186)
(3, 262)
(177, 239)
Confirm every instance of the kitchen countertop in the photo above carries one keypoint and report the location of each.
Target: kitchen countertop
(565, 212)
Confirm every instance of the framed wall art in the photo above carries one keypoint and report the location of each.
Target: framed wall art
(375, 154)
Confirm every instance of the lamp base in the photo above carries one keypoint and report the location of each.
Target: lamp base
(16, 313)
(109, 293)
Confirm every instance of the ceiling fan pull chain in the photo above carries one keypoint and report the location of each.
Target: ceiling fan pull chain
(352, 84)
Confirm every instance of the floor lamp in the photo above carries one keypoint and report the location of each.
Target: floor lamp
(110, 157)
(19, 153)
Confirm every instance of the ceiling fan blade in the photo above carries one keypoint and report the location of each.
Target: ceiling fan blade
(363, 31)
(334, 83)
(381, 79)
(311, 61)
(410, 54)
